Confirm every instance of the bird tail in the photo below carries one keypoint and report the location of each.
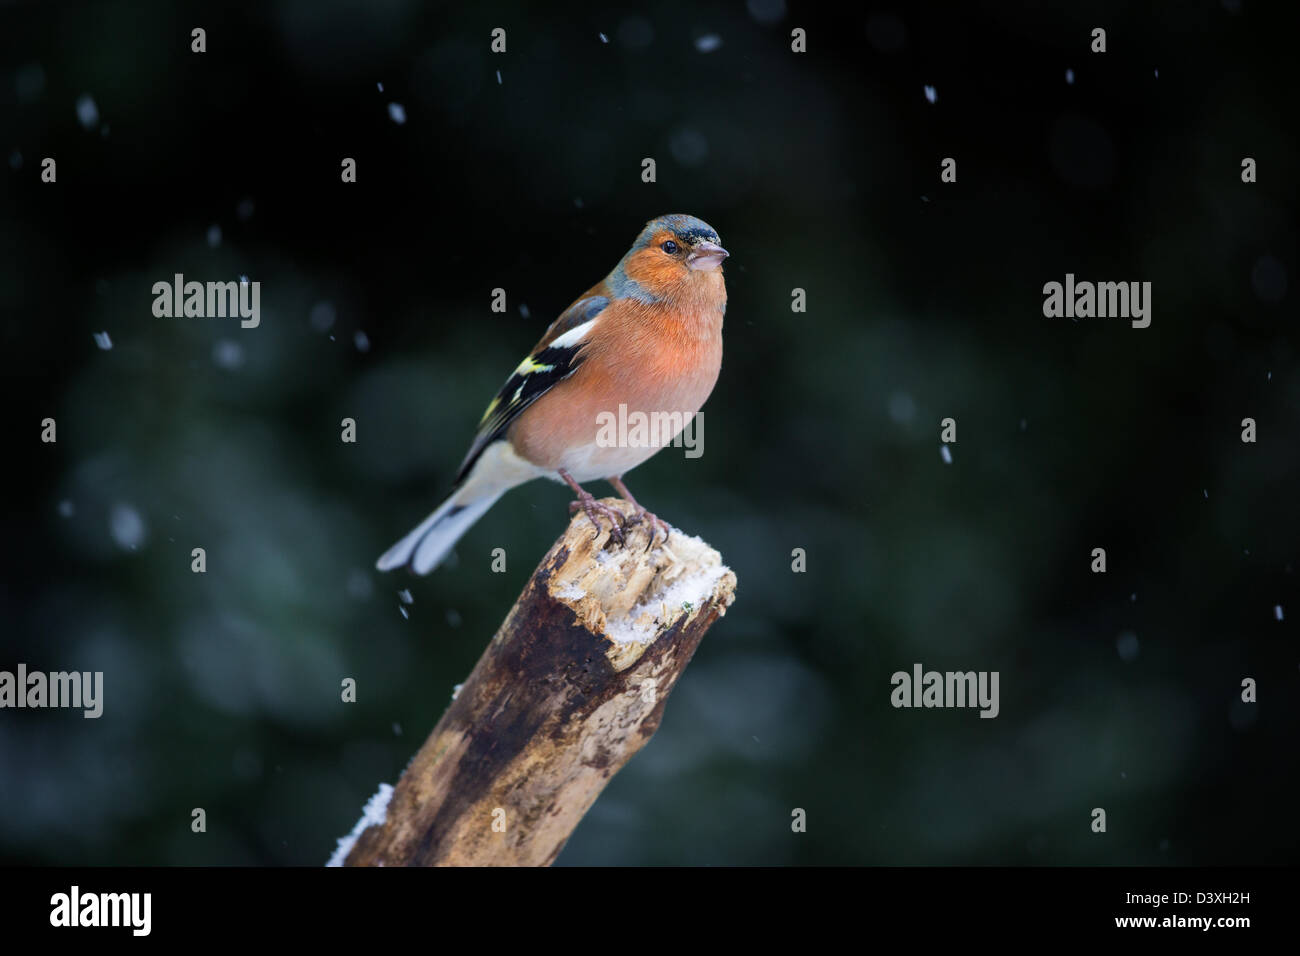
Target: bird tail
(425, 547)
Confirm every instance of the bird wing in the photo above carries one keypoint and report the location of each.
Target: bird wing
(552, 360)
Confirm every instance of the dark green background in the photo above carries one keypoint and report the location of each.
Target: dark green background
(820, 171)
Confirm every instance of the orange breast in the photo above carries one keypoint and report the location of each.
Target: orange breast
(645, 359)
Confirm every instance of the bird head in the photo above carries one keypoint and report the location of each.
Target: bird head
(672, 255)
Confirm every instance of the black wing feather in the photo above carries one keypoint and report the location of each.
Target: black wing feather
(535, 376)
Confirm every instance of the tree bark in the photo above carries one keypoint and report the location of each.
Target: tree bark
(572, 685)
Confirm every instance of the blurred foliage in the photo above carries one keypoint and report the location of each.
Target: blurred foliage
(820, 171)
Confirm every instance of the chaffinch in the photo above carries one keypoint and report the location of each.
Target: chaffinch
(647, 339)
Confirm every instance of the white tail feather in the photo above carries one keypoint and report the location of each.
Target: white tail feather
(425, 547)
(497, 470)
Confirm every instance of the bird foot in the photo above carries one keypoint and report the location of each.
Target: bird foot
(656, 524)
(593, 508)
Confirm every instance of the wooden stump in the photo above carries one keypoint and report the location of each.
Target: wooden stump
(572, 685)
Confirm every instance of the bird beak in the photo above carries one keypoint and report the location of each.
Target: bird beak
(706, 256)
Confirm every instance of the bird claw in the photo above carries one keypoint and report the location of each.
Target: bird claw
(656, 524)
(591, 507)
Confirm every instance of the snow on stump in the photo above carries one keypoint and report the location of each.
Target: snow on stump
(572, 685)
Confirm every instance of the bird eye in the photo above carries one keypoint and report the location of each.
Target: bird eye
(670, 247)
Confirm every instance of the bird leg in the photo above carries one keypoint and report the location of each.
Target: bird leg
(656, 523)
(587, 502)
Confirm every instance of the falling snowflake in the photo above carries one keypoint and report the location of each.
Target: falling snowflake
(103, 341)
(945, 454)
(322, 316)
(397, 113)
(930, 95)
(87, 111)
(126, 527)
(227, 354)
